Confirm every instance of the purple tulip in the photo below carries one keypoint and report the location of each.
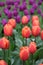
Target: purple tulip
(15, 12)
(42, 15)
(2, 4)
(16, 5)
(39, 2)
(31, 10)
(39, 11)
(31, 2)
(23, 7)
(18, 1)
(4, 22)
(0, 14)
(9, 6)
(9, 15)
(35, 6)
(26, 12)
(6, 11)
(42, 0)
(10, 2)
(23, 0)
(18, 19)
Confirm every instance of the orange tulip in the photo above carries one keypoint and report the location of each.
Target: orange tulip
(35, 30)
(2, 62)
(4, 44)
(8, 30)
(24, 20)
(32, 47)
(26, 32)
(12, 22)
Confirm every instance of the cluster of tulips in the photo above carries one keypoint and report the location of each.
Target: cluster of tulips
(25, 51)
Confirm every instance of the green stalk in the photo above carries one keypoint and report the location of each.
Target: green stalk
(26, 42)
(32, 60)
(23, 62)
(4, 54)
(8, 52)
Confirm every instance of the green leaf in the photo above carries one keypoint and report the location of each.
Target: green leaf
(38, 54)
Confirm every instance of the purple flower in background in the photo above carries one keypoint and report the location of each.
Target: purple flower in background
(15, 12)
(9, 15)
(4, 22)
(42, 15)
(26, 12)
(2, 4)
(23, 0)
(9, 6)
(0, 14)
(39, 11)
(18, 1)
(31, 2)
(31, 10)
(39, 2)
(35, 6)
(22, 7)
(6, 11)
(18, 19)
(42, 0)
(16, 5)
(10, 2)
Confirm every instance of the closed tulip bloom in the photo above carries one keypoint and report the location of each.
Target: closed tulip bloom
(24, 53)
(35, 17)
(18, 1)
(15, 12)
(9, 2)
(12, 22)
(2, 4)
(26, 32)
(36, 30)
(18, 19)
(41, 64)
(4, 22)
(41, 35)
(39, 11)
(2, 62)
(36, 23)
(35, 6)
(42, 15)
(32, 47)
(25, 20)
(9, 7)
(31, 2)
(6, 11)
(8, 30)
(0, 14)
(26, 12)
(39, 2)
(9, 15)
(31, 11)
(4, 44)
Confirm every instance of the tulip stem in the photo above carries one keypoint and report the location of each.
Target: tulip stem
(32, 60)
(23, 63)
(26, 41)
(4, 54)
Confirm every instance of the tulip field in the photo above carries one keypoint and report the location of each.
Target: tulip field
(21, 32)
